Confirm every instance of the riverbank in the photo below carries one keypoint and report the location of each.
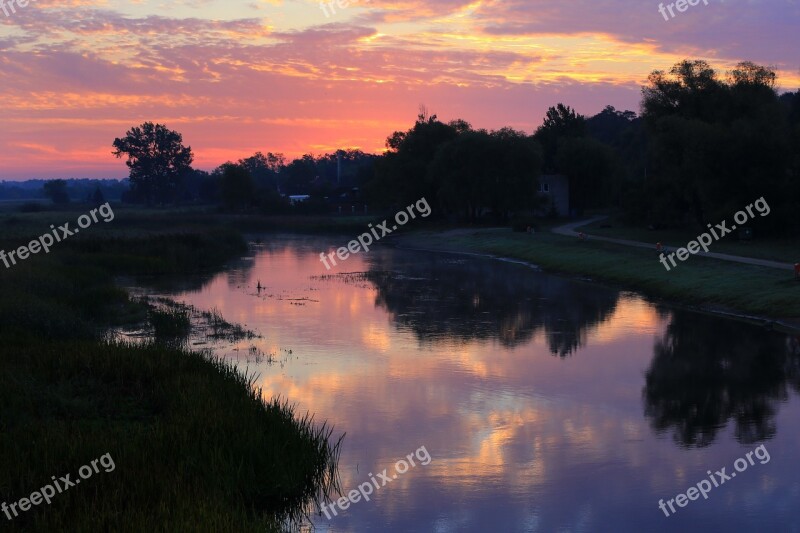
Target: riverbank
(195, 446)
(718, 286)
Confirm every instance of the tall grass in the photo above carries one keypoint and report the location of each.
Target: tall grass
(169, 324)
(191, 437)
(196, 446)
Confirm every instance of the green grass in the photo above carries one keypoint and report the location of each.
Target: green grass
(786, 250)
(195, 445)
(699, 281)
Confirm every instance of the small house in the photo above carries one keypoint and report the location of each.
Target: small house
(553, 189)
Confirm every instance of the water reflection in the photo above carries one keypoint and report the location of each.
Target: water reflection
(457, 354)
(706, 372)
(470, 300)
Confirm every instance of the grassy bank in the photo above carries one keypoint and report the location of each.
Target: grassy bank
(698, 281)
(785, 250)
(194, 446)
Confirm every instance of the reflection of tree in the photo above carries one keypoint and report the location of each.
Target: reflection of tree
(238, 272)
(444, 298)
(707, 371)
(570, 310)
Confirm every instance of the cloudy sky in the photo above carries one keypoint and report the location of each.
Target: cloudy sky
(235, 77)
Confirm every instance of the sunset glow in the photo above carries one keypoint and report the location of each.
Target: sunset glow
(238, 77)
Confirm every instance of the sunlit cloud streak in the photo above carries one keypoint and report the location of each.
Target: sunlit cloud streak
(236, 77)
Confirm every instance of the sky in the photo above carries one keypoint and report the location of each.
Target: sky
(236, 77)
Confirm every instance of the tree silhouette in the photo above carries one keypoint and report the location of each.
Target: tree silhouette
(157, 160)
(560, 122)
(97, 197)
(716, 145)
(56, 190)
(237, 186)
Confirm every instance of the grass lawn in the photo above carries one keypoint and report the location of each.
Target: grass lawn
(783, 250)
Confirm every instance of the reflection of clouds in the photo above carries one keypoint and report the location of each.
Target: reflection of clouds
(506, 440)
(635, 317)
(517, 436)
(376, 338)
(469, 360)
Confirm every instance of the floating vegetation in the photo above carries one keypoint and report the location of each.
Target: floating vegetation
(172, 321)
(284, 297)
(359, 279)
(256, 355)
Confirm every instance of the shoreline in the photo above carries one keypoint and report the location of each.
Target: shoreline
(422, 242)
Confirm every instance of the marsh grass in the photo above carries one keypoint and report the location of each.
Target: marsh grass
(177, 320)
(169, 324)
(218, 328)
(191, 437)
(196, 446)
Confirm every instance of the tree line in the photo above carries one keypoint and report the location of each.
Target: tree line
(704, 145)
(161, 174)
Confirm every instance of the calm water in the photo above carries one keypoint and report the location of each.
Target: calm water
(546, 404)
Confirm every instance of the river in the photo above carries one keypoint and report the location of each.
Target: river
(539, 403)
